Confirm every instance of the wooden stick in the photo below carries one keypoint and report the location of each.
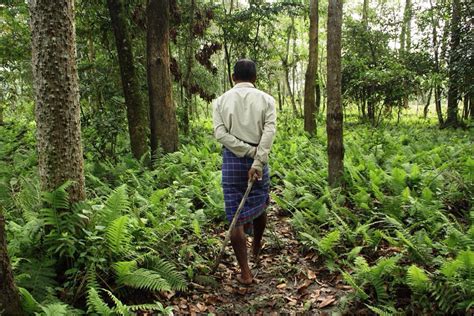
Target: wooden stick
(232, 224)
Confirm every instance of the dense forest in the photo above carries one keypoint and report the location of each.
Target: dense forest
(111, 201)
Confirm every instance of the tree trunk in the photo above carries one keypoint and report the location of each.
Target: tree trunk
(280, 103)
(56, 90)
(453, 92)
(286, 68)
(189, 66)
(334, 117)
(136, 109)
(425, 109)
(9, 298)
(437, 89)
(365, 14)
(163, 126)
(311, 71)
(466, 106)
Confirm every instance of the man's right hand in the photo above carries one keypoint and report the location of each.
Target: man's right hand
(255, 174)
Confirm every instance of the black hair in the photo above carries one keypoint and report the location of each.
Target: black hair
(245, 70)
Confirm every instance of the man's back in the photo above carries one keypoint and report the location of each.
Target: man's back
(243, 111)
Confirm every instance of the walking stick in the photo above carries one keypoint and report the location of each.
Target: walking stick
(232, 224)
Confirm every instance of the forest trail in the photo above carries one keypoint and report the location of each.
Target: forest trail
(287, 280)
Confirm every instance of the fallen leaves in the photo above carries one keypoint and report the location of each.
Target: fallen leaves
(288, 282)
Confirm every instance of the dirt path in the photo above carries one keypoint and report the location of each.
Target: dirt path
(288, 281)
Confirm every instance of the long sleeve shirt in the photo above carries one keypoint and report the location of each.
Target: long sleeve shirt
(244, 120)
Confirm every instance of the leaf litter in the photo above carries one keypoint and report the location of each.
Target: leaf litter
(287, 280)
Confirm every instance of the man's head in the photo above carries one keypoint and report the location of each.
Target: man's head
(245, 70)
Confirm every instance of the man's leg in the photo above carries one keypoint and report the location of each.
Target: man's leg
(259, 225)
(239, 243)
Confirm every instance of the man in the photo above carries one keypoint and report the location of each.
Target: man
(245, 122)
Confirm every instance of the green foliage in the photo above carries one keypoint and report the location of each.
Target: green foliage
(400, 220)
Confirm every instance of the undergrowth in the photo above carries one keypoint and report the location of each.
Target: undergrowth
(400, 231)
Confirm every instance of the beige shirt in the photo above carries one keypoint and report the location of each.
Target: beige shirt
(243, 116)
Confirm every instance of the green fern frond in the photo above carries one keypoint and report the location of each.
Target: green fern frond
(390, 311)
(169, 273)
(146, 280)
(124, 268)
(361, 265)
(350, 280)
(56, 309)
(417, 278)
(118, 235)
(157, 306)
(117, 204)
(95, 304)
(120, 308)
(385, 266)
(59, 198)
(29, 304)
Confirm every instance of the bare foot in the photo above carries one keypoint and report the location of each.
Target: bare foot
(245, 281)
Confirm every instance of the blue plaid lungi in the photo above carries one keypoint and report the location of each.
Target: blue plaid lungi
(234, 184)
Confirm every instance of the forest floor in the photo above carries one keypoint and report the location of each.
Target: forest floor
(287, 280)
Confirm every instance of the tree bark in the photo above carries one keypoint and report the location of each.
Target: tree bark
(9, 298)
(437, 89)
(56, 90)
(136, 109)
(425, 109)
(163, 125)
(286, 68)
(334, 116)
(453, 91)
(311, 71)
(189, 65)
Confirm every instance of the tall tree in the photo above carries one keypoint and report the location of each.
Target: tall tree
(9, 298)
(453, 90)
(286, 65)
(189, 49)
(163, 125)
(136, 109)
(437, 88)
(405, 35)
(56, 90)
(311, 71)
(334, 115)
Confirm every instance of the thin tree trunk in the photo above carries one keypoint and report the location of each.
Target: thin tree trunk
(163, 125)
(425, 109)
(56, 90)
(286, 68)
(437, 89)
(280, 103)
(311, 71)
(136, 109)
(334, 116)
(466, 106)
(9, 298)
(453, 92)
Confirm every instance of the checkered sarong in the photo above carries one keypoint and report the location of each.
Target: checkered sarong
(234, 183)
